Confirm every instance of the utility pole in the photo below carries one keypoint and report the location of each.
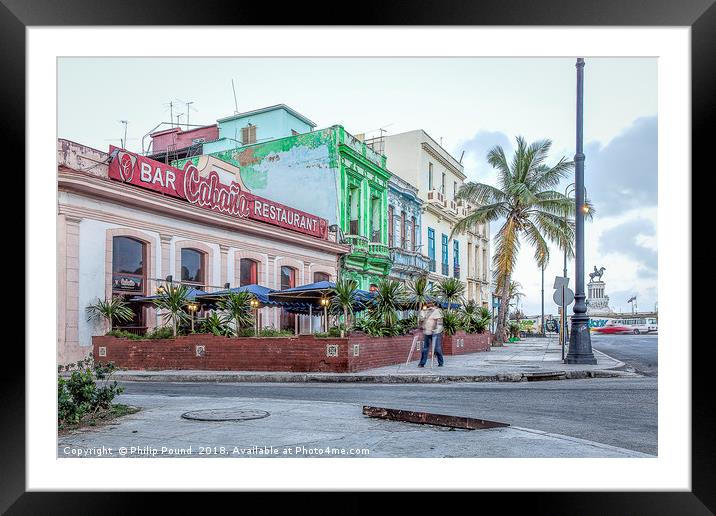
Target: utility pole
(580, 341)
(543, 332)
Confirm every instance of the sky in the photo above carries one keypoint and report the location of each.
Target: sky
(468, 104)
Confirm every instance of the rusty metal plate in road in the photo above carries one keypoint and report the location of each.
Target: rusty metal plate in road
(427, 418)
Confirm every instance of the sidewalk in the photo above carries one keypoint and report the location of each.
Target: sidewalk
(527, 360)
(291, 428)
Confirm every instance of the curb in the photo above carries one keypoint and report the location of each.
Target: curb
(388, 379)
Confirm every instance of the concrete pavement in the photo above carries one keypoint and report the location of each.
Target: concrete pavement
(304, 429)
(526, 360)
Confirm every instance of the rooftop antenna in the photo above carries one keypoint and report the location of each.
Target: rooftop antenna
(179, 115)
(236, 105)
(124, 140)
(461, 155)
(171, 112)
(188, 109)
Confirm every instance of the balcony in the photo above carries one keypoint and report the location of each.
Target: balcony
(445, 269)
(358, 243)
(409, 261)
(435, 197)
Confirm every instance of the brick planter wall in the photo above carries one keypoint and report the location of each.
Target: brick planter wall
(462, 343)
(304, 353)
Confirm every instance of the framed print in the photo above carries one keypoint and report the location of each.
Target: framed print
(334, 255)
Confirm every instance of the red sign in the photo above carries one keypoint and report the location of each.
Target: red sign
(210, 193)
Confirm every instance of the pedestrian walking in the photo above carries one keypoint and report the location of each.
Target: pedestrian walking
(432, 319)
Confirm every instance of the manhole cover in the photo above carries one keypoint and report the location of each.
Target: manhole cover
(227, 414)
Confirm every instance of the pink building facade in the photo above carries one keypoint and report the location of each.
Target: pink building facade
(115, 237)
(176, 138)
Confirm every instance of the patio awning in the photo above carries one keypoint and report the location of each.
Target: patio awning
(258, 291)
(310, 292)
(261, 293)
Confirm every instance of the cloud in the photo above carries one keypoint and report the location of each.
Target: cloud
(476, 148)
(622, 175)
(624, 239)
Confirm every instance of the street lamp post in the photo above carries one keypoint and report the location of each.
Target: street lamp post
(324, 302)
(193, 307)
(255, 306)
(580, 342)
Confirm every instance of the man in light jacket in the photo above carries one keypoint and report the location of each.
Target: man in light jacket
(432, 319)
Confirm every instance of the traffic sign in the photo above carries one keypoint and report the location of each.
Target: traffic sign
(568, 297)
(559, 281)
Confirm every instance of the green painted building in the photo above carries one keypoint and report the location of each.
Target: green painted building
(328, 173)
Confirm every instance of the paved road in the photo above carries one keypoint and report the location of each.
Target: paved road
(618, 412)
(638, 351)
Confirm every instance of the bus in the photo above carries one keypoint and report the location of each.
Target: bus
(634, 325)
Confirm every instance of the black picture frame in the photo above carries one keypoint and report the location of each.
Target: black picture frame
(700, 15)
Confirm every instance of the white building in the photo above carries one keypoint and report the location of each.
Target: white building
(418, 159)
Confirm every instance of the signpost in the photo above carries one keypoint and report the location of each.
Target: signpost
(563, 297)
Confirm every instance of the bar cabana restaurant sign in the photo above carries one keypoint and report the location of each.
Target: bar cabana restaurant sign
(209, 192)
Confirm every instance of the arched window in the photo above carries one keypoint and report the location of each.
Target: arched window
(288, 277)
(129, 277)
(321, 276)
(193, 267)
(128, 271)
(288, 280)
(249, 272)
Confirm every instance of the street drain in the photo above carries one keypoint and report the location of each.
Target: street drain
(227, 414)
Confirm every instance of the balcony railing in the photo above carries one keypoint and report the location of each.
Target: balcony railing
(405, 259)
(445, 269)
(357, 242)
(436, 197)
(378, 248)
(431, 265)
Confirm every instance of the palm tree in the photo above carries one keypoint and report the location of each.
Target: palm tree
(419, 292)
(345, 297)
(389, 297)
(113, 309)
(237, 306)
(530, 207)
(450, 290)
(172, 301)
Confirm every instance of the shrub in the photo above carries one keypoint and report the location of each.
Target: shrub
(123, 334)
(265, 332)
(161, 332)
(514, 330)
(473, 318)
(217, 325)
(408, 324)
(333, 331)
(87, 391)
(451, 322)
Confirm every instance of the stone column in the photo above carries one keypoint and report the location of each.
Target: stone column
(224, 264)
(166, 258)
(69, 350)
